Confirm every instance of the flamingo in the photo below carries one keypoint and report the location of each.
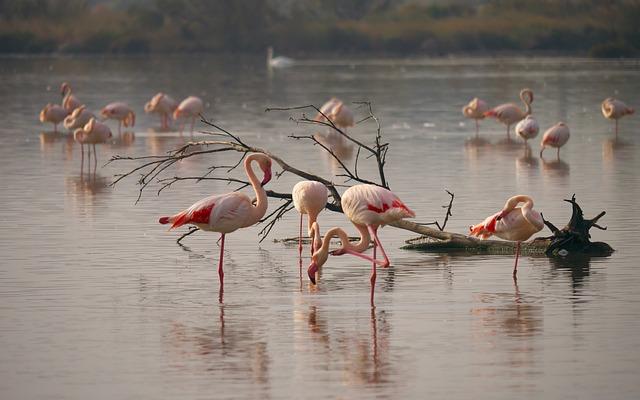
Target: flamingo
(367, 207)
(511, 223)
(228, 212)
(69, 101)
(615, 109)
(475, 110)
(510, 113)
(278, 62)
(527, 128)
(78, 118)
(162, 104)
(339, 114)
(93, 132)
(309, 197)
(53, 113)
(120, 111)
(191, 107)
(556, 136)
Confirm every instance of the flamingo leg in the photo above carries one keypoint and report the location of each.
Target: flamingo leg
(300, 240)
(363, 256)
(372, 278)
(374, 233)
(616, 128)
(515, 266)
(477, 128)
(508, 129)
(95, 158)
(220, 271)
(81, 159)
(558, 155)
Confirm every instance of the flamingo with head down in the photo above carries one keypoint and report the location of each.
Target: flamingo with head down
(78, 118)
(527, 129)
(161, 104)
(367, 207)
(510, 113)
(69, 101)
(309, 197)
(475, 110)
(511, 223)
(191, 107)
(337, 112)
(228, 212)
(615, 109)
(119, 111)
(556, 136)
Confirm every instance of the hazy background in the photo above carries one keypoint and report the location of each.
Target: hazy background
(565, 27)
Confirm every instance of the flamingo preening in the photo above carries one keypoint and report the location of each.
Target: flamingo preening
(121, 112)
(163, 105)
(475, 110)
(228, 212)
(309, 197)
(556, 136)
(615, 109)
(191, 107)
(367, 207)
(69, 101)
(337, 112)
(78, 118)
(53, 113)
(510, 113)
(527, 128)
(511, 223)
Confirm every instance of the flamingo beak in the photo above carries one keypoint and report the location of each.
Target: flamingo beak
(267, 176)
(313, 269)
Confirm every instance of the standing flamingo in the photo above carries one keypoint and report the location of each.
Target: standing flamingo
(338, 113)
(78, 118)
(53, 113)
(93, 132)
(191, 107)
(615, 109)
(368, 207)
(512, 223)
(527, 129)
(510, 113)
(309, 197)
(556, 136)
(161, 104)
(228, 212)
(475, 110)
(120, 111)
(69, 101)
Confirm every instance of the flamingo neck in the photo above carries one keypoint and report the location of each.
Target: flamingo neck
(515, 200)
(527, 102)
(261, 196)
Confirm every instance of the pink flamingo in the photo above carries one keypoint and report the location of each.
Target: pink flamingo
(511, 223)
(228, 212)
(309, 197)
(615, 109)
(510, 113)
(162, 104)
(556, 136)
(78, 118)
(527, 128)
(475, 110)
(69, 101)
(191, 107)
(53, 113)
(368, 207)
(337, 112)
(121, 112)
(93, 132)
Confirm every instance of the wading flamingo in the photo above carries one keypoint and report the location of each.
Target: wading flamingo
(78, 118)
(53, 113)
(512, 223)
(475, 110)
(228, 212)
(191, 107)
(93, 132)
(278, 62)
(556, 136)
(120, 111)
(368, 207)
(69, 101)
(337, 112)
(163, 105)
(615, 109)
(527, 128)
(309, 197)
(510, 113)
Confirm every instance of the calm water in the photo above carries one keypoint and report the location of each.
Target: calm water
(98, 301)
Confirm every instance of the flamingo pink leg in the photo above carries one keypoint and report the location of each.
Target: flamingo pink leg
(477, 128)
(372, 279)
(515, 266)
(220, 271)
(374, 233)
(300, 241)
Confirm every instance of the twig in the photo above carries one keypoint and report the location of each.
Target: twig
(446, 216)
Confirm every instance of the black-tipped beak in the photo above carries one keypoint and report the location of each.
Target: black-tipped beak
(313, 268)
(267, 177)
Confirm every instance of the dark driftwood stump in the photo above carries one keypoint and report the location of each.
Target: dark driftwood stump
(572, 239)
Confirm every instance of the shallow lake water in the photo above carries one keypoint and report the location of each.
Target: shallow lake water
(98, 301)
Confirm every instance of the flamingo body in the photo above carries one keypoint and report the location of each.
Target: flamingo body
(509, 113)
(93, 132)
(337, 112)
(121, 112)
(78, 118)
(54, 114)
(191, 107)
(556, 136)
(475, 109)
(309, 197)
(615, 109)
(161, 104)
(373, 205)
(527, 128)
(69, 101)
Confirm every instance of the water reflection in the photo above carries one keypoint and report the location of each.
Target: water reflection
(555, 167)
(614, 148)
(87, 184)
(50, 139)
(341, 148)
(527, 162)
(576, 266)
(123, 139)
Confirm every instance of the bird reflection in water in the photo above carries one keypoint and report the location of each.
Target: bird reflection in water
(616, 149)
(555, 167)
(48, 141)
(577, 266)
(124, 139)
(340, 146)
(527, 162)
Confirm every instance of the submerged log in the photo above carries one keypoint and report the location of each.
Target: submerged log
(572, 239)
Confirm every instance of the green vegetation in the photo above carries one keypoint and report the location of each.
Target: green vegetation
(578, 27)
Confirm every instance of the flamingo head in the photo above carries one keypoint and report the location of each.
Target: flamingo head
(265, 166)
(64, 88)
(317, 261)
(177, 113)
(485, 228)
